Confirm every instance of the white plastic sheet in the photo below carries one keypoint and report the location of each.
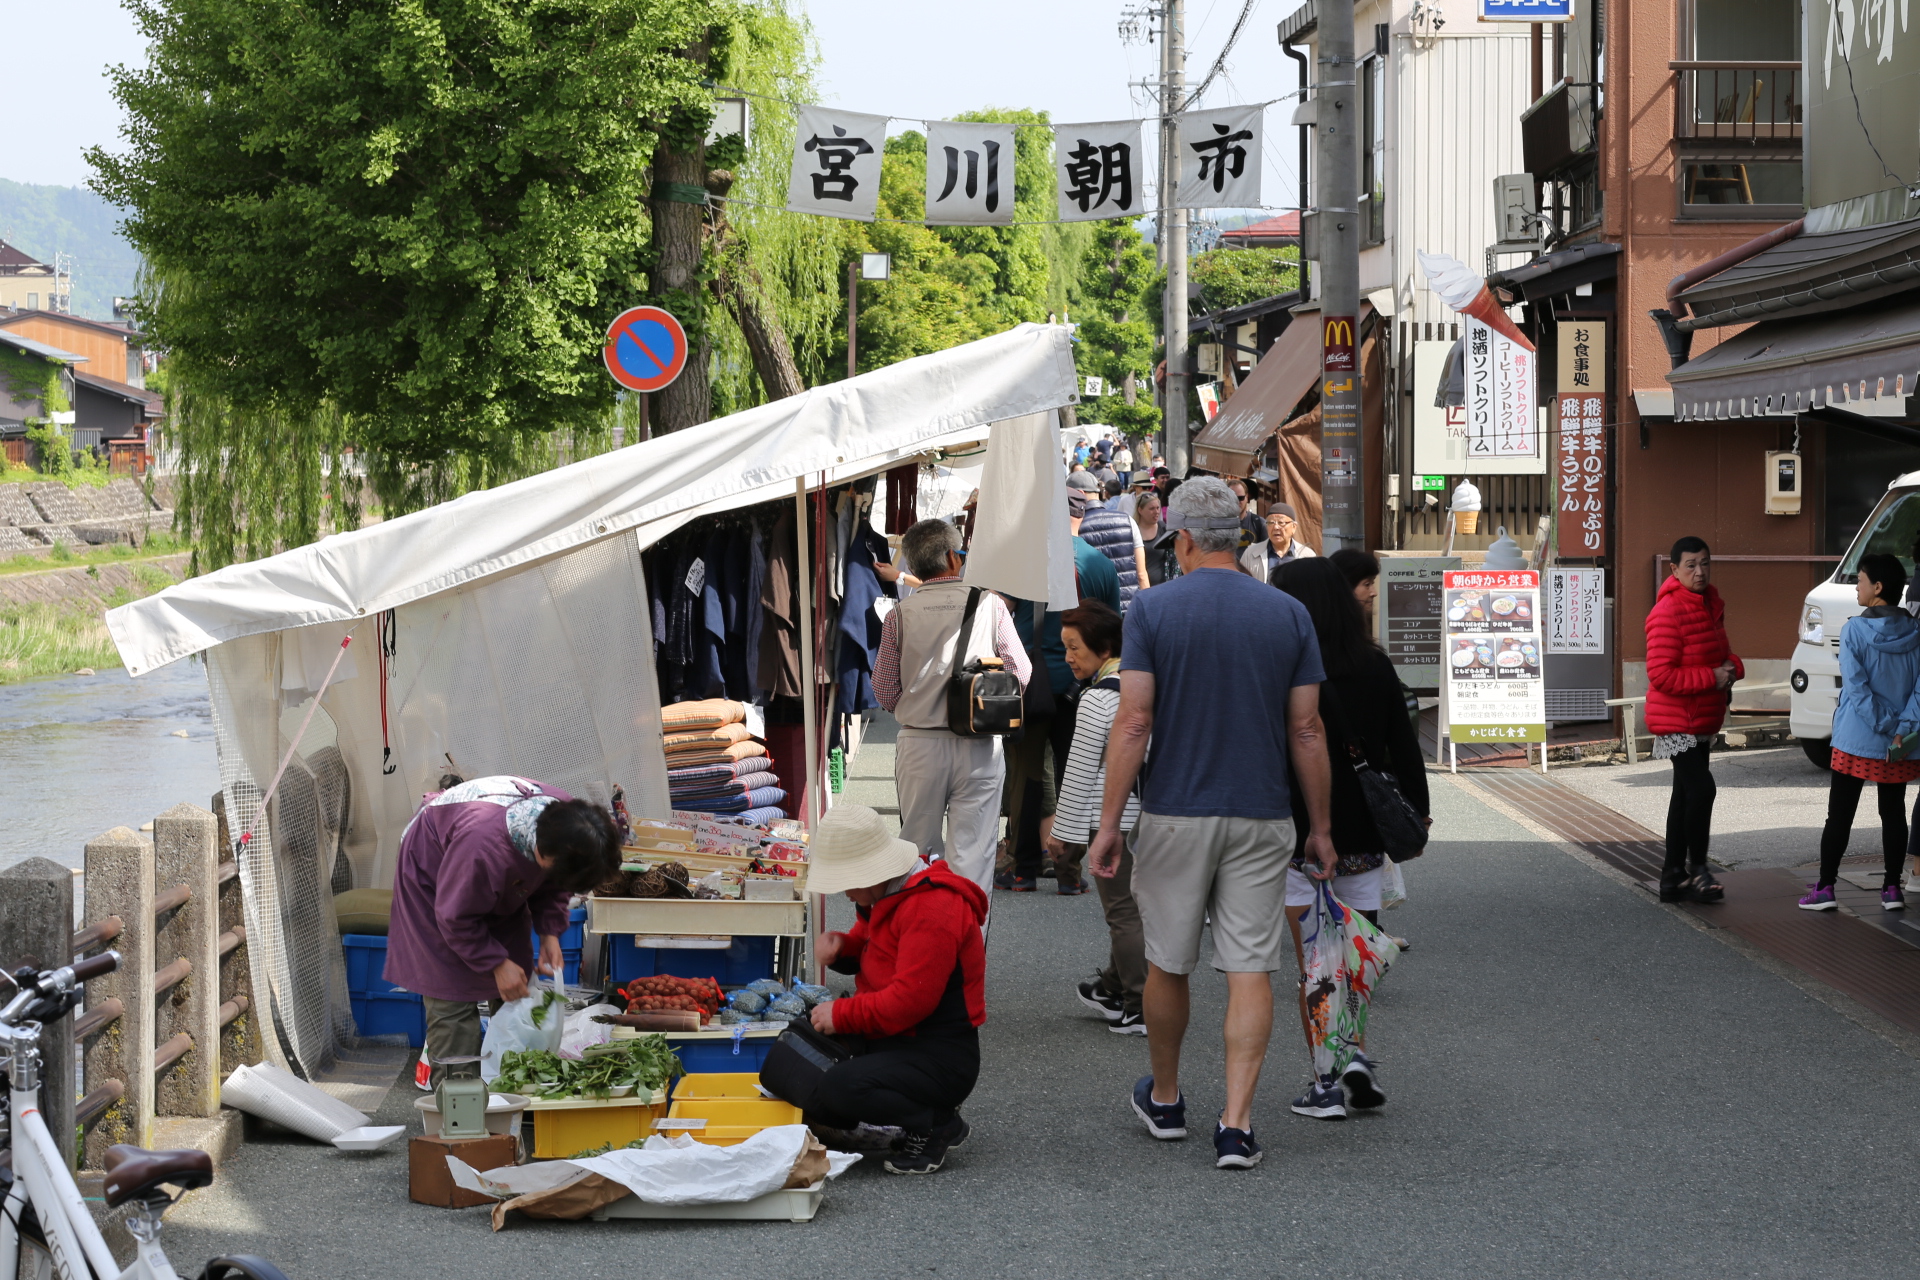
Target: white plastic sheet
(666, 1170)
(1023, 505)
(276, 1094)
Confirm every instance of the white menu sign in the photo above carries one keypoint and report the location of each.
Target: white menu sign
(1493, 654)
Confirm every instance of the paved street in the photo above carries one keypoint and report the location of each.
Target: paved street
(1769, 811)
(1581, 1083)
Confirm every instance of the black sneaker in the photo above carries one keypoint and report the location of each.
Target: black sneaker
(1165, 1120)
(1363, 1089)
(954, 1132)
(1129, 1024)
(917, 1153)
(1234, 1148)
(1323, 1101)
(1109, 1007)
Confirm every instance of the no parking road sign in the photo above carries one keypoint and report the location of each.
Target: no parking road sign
(646, 349)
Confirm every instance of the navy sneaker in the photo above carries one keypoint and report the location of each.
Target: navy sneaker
(1165, 1120)
(954, 1133)
(1363, 1089)
(1322, 1101)
(1234, 1148)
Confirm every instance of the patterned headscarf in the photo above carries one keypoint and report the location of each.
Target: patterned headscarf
(522, 798)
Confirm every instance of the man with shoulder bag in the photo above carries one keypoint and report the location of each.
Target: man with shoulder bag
(948, 763)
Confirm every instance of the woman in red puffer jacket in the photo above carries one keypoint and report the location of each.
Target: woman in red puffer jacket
(1690, 673)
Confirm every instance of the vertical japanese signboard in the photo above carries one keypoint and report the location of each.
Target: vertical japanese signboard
(1495, 692)
(1576, 605)
(1500, 376)
(1581, 455)
(1412, 620)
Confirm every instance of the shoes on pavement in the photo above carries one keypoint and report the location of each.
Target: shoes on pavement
(1014, 883)
(1129, 1024)
(918, 1152)
(1892, 899)
(1400, 942)
(1047, 871)
(1704, 888)
(1234, 1148)
(1165, 1120)
(1676, 892)
(1069, 888)
(1109, 1007)
(1819, 897)
(1363, 1089)
(954, 1132)
(1322, 1100)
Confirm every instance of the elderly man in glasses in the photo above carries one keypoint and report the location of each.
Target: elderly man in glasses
(1282, 545)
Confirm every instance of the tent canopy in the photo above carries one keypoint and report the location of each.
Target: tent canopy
(836, 432)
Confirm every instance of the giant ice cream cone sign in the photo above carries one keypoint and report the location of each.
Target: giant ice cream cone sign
(1468, 294)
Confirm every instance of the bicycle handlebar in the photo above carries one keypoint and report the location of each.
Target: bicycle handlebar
(95, 966)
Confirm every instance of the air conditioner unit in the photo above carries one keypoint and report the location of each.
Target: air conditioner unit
(1514, 211)
(1209, 358)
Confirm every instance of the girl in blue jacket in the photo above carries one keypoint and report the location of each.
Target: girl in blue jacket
(1879, 671)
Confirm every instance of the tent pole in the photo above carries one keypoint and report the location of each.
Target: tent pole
(810, 815)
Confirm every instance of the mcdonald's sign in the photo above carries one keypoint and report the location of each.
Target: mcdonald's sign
(1336, 345)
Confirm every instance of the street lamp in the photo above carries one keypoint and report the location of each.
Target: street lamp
(872, 266)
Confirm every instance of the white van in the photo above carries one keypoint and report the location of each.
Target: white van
(1892, 529)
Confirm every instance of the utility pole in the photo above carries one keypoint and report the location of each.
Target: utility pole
(1337, 231)
(1163, 191)
(1172, 99)
(853, 314)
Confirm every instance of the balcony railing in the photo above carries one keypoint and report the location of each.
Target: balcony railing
(1737, 101)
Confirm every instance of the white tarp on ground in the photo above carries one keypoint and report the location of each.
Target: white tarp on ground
(845, 429)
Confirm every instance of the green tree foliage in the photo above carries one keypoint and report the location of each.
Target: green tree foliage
(1235, 277)
(1119, 324)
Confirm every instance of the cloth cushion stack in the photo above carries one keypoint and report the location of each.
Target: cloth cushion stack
(714, 765)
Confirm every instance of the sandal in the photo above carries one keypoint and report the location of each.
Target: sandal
(1704, 888)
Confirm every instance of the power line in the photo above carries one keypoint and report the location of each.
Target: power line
(1233, 37)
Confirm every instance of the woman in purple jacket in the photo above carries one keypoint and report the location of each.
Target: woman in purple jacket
(483, 866)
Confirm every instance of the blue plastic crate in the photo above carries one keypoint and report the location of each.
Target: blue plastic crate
(747, 960)
(389, 1013)
(718, 1055)
(572, 944)
(366, 957)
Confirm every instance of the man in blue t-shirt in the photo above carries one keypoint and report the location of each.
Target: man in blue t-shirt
(1223, 673)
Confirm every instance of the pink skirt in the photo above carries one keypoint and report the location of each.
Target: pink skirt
(1888, 771)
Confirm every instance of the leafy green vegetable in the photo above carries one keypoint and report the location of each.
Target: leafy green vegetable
(547, 1001)
(645, 1062)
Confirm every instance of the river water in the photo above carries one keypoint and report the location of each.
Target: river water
(81, 754)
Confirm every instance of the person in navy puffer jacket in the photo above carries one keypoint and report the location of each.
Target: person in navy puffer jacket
(1877, 712)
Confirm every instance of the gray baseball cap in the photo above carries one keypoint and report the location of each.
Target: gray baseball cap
(1083, 481)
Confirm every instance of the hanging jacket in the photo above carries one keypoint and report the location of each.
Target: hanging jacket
(1686, 640)
(1112, 535)
(909, 950)
(1879, 669)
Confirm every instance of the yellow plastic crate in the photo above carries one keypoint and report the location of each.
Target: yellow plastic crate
(714, 1084)
(730, 1121)
(569, 1126)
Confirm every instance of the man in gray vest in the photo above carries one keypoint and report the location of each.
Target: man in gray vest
(941, 777)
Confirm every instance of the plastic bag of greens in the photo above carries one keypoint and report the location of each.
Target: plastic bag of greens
(766, 986)
(748, 1000)
(812, 992)
(536, 1021)
(727, 1017)
(788, 1003)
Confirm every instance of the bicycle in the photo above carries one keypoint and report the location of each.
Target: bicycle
(46, 1232)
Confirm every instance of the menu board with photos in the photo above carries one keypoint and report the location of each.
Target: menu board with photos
(1493, 654)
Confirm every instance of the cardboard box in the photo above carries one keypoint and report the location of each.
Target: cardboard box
(430, 1182)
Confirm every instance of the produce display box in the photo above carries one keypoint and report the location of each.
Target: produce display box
(744, 960)
(710, 917)
(379, 1007)
(713, 1051)
(728, 1122)
(568, 1126)
(717, 1084)
(794, 1204)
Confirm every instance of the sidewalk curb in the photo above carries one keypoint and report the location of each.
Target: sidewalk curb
(1899, 1037)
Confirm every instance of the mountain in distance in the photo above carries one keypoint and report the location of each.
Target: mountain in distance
(45, 220)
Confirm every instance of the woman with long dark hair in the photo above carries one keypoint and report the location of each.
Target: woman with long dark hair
(1365, 717)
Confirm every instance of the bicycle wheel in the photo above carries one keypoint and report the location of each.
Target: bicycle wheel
(241, 1265)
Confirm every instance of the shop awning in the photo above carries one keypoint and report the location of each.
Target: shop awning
(1264, 401)
(831, 434)
(1839, 359)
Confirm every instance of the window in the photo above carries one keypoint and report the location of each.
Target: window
(1373, 156)
(1738, 126)
(33, 302)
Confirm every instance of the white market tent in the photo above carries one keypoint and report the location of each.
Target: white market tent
(517, 635)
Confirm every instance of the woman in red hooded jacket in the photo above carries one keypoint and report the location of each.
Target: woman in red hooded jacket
(919, 997)
(1690, 673)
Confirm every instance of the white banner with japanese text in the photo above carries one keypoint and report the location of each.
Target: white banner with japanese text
(1501, 421)
(969, 173)
(1576, 610)
(1099, 172)
(1220, 159)
(836, 163)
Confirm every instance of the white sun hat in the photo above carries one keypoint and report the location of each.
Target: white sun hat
(852, 850)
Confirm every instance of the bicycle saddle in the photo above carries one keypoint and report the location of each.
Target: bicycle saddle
(133, 1173)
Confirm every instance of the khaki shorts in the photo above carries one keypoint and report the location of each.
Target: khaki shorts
(1233, 870)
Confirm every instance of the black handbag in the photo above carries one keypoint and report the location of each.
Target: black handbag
(1403, 832)
(983, 697)
(798, 1061)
